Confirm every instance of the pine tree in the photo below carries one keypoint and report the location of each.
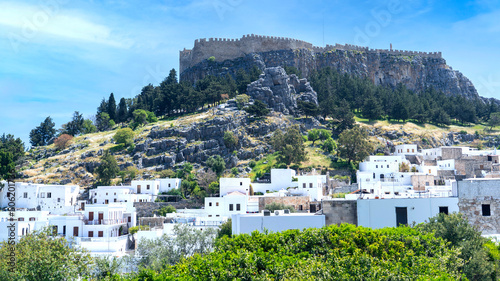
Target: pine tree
(122, 111)
(111, 107)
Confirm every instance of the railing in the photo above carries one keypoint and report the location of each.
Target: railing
(101, 239)
(105, 222)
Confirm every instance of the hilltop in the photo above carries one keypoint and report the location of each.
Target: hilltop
(416, 70)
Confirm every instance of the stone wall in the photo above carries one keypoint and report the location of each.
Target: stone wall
(295, 201)
(419, 182)
(451, 153)
(472, 194)
(340, 211)
(227, 49)
(154, 221)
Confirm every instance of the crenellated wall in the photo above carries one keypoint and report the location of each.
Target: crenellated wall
(224, 48)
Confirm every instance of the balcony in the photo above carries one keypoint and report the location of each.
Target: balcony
(105, 222)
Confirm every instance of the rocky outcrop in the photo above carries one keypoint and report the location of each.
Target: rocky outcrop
(281, 91)
(416, 71)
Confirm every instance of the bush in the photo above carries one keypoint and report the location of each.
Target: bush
(230, 140)
(63, 141)
(279, 206)
(124, 136)
(234, 171)
(134, 229)
(166, 210)
(252, 164)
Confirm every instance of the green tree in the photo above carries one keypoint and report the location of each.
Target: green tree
(88, 127)
(258, 108)
(456, 229)
(106, 267)
(308, 108)
(42, 134)
(108, 169)
(111, 107)
(371, 108)
(129, 173)
(313, 135)
(158, 253)
(7, 165)
(329, 145)
(289, 145)
(75, 126)
(217, 164)
(140, 118)
(494, 120)
(353, 144)
(225, 229)
(122, 111)
(40, 256)
(125, 136)
(104, 122)
(13, 145)
(230, 140)
(241, 100)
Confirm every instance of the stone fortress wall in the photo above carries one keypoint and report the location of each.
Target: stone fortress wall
(223, 48)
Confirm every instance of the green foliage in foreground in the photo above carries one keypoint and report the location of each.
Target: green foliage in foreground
(341, 252)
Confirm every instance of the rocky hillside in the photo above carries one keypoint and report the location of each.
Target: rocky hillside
(415, 71)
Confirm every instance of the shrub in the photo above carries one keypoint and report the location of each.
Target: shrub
(116, 148)
(279, 206)
(124, 136)
(252, 164)
(63, 141)
(234, 171)
(134, 229)
(166, 210)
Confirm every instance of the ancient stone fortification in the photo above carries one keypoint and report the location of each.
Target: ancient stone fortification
(416, 70)
(227, 49)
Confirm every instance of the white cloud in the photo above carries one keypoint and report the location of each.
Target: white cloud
(29, 21)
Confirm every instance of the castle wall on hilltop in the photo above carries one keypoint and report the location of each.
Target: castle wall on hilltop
(227, 49)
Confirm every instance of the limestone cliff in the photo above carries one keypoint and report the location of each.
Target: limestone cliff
(416, 70)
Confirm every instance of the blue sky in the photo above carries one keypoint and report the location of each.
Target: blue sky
(59, 56)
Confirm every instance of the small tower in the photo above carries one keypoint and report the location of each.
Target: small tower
(391, 47)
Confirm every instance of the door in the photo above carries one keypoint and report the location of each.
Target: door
(138, 189)
(91, 216)
(75, 231)
(401, 216)
(101, 217)
(312, 208)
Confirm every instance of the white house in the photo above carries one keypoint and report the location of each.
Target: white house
(232, 203)
(406, 149)
(57, 199)
(25, 222)
(169, 184)
(379, 213)
(247, 223)
(312, 186)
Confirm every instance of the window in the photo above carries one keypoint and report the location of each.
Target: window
(64, 230)
(209, 204)
(408, 150)
(238, 207)
(241, 183)
(75, 231)
(147, 187)
(300, 207)
(91, 234)
(115, 200)
(25, 195)
(106, 193)
(100, 233)
(20, 219)
(129, 219)
(486, 210)
(168, 185)
(376, 166)
(230, 207)
(58, 200)
(106, 201)
(217, 204)
(430, 171)
(32, 219)
(115, 193)
(310, 185)
(209, 216)
(217, 215)
(443, 210)
(49, 195)
(304, 185)
(426, 183)
(42, 195)
(95, 201)
(481, 167)
(412, 150)
(373, 175)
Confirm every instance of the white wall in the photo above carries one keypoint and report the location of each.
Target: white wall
(246, 223)
(228, 185)
(406, 149)
(219, 206)
(446, 164)
(169, 184)
(480, 187)
(379, 213)
(146, 186)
